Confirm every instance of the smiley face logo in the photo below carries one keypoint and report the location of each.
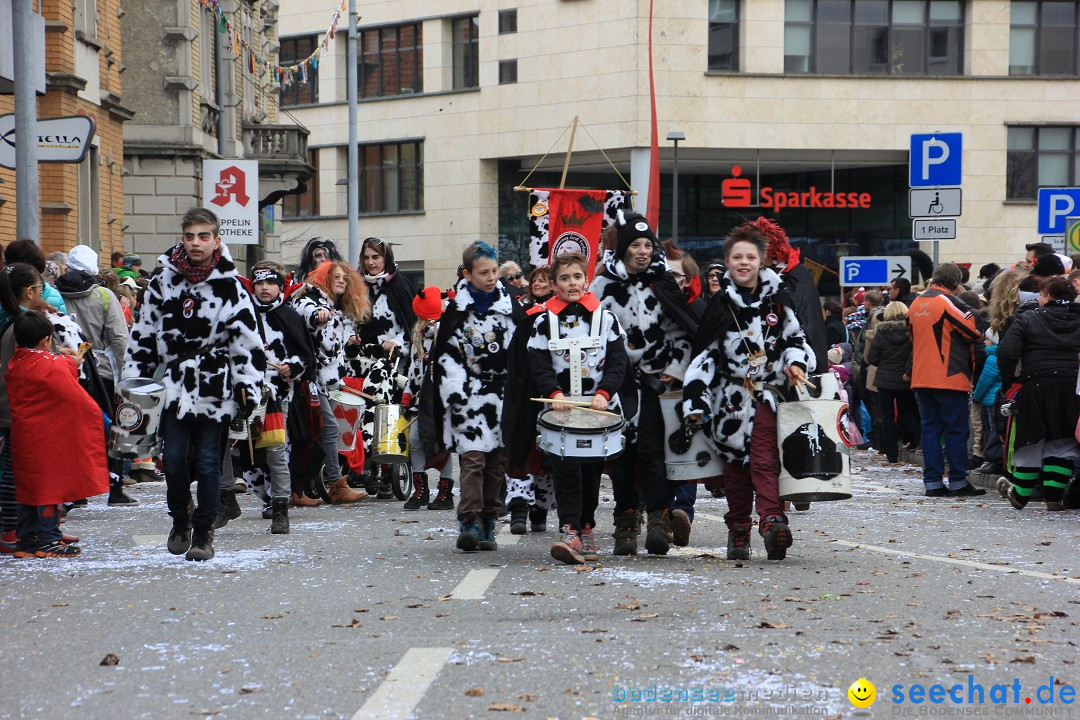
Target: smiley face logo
(862, 693)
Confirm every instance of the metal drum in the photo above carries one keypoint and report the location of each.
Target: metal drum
(700, 461)
(815, 460)
(349, 412)
(391, 435)
(134, 432)
(577, 435)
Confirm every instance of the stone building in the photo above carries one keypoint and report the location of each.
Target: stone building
(460, 101)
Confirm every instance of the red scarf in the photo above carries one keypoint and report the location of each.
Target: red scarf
(193, 273)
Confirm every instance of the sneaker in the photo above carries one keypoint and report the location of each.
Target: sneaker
(179, 539)
(589, 551)
(118, 497)
(937, 492)
(738, 542)
(680, 528)
(777, 536)
(967, 490)
(1015, 500)
(468, 535)
(52, 550)
(8, 543)
(487, 534)
(268, 512)
(239, 486)
(202, 545)
(568, 548)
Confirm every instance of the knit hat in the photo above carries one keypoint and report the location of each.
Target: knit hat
(1048, 266)
(1066, 261)
(836, 356)
(428, 303)
(132, 261)
(630, 226)
(84, 259)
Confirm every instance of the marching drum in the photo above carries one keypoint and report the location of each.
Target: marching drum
(577, 435)
(349, 412)
(813, 435)
(391, 443)
(700, 461)
(134, 432)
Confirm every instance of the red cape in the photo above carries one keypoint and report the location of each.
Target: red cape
(57, 431)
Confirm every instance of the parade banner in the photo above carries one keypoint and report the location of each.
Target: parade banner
(564, 221)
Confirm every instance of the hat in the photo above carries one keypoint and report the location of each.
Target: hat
(631, 226)
(428, 303)
(1048, 266)
(130, 282)
(84, 259)
(132, 261)
(779, 246)
(836, 356)
(1066, 261)
(859, 296)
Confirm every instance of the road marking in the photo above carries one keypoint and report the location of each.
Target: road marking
(958, 561)
(475, 584)
(142, 540)
(506, 537)
(403, 689)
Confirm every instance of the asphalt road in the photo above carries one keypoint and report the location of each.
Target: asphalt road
(368, 611)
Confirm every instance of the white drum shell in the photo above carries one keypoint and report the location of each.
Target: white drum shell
(578, 444)
(134, 431)
(701, 461)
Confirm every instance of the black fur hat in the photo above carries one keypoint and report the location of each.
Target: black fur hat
(630, 226)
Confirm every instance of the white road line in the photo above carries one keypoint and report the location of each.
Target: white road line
(404, 687)
(143, 540)
(506, 537)
(475, 584)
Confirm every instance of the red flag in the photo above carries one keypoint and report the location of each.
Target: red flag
(575, 221)
(652, 209)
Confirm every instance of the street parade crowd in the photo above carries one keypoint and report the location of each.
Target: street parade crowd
(333, 384)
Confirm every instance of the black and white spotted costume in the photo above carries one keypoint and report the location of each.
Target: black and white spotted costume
(737, 324)
(329, 338)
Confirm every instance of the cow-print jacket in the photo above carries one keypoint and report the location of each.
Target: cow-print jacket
(656, 344)
(736, 325)
(391, 310)
(470, 361)
(280, 348)
(206, 336)
(329, 338)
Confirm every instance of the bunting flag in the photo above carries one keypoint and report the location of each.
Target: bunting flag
(564, 221)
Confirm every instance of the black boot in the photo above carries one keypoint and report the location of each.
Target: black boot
(444, 498)
(279, 524)
(229, 510)
(117, 496)
(627, 526)
(202, 544)
(538, 519)
(421, 494)
(658, 535)
(519, 516)
(385, 489)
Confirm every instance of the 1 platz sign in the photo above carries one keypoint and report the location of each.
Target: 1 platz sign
(59, 139)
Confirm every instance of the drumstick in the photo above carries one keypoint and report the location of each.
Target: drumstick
(578, 405)
(804, 381)
(247, 426)
(353, 391)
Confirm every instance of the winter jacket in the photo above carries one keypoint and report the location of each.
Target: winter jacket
(286, 341)
(50, 295)
(66, 334)
(1047, 340)
(890, 351)
(205, 335)
(800, 284)
(329, 338)
(835, 332)
(392, 316)
(943, 333)
(98, 313)
(989, 384)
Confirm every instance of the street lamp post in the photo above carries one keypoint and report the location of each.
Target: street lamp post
(675, 136)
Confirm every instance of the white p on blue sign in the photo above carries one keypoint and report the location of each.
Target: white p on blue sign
(935, 160)
(1056, 204)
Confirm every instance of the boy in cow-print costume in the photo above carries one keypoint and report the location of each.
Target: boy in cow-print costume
(636, 285)
(470, 362)
(197, 321)
(751, 343)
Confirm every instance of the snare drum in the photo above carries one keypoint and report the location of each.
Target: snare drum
(391, 437)
(580, 436)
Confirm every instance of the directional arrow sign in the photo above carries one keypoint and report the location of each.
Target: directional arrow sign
(60, 140)
(934, 202)
(873, 271)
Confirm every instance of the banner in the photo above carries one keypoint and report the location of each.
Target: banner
(564, 221)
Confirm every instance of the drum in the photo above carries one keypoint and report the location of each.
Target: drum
(134, 432)
(700, 461)
(813, 435)
(578, 435)
(349, 412)
(391, 443)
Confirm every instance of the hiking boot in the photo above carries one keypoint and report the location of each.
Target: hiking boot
(385, 489)
(268, 512)
(302, 500)
(658, 532)
(937, 492)
(589, 551)
(738, 542)
(469, 534)
(538, 519)
(179, 538)
(229, 510)
(967, 490)
(1015, 500)
(680, 528)
(279, 521)
(117, 496)
(487, 534)
(519, 516)
(444, 496)
(567, 549)
(774, 529)
(421, 493)
(626, 533)
(202, 545)
(342, 494)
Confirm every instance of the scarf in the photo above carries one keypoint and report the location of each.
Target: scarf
(193, 273)
(616, 268)
(265, 307)
(482, 301)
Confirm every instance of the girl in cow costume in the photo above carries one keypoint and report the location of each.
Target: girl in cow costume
(750, 343)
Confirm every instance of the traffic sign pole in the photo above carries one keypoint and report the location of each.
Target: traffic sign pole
(27, 221)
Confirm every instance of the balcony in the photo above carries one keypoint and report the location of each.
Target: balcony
(283, 159)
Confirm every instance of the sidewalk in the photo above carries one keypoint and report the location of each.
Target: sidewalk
(988, 482)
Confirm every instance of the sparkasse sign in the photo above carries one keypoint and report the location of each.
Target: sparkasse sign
(735, 192)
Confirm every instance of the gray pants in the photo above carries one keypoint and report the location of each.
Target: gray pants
(331, 465)
(418, 454)
(277, 463)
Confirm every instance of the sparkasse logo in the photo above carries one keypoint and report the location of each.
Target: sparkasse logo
(735, 193)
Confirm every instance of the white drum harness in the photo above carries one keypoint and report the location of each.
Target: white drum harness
(575, 347)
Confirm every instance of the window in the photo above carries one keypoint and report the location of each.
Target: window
(89, 201)
(466, 34)
(723, 34)
(507, 21)
(391, 61)
(305, 204)
(507, 72)
(874, 37)
(208, 58)
(293, 50)
(392, 177)
(1041, 157)
(1043, 38)
(86, 18)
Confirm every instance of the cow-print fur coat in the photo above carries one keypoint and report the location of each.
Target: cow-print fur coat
(715, 380)
(329, 338)
(206, 336)
(470, 361)
(277, 319)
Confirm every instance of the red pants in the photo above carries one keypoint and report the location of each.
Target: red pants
(761, 477)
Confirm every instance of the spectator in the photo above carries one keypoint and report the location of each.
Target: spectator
(27, 251)
(116, 260)
(1048, 266)
(985, 397)
(512, 277)
(890, 350)
(900, 291)
(835, 332)
(713, 273)
(943, 331)
(540, 286)
(1034, 252)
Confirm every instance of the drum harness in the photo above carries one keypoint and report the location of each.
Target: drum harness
(575, 347)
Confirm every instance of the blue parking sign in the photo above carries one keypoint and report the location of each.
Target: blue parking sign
(1056, 204)
(935, 160)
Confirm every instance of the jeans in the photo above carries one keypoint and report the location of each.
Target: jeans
(277, 463)
(192, 453)
(685, 497)
(647, 456)
(944, 413)
(39, 525)
(9, 509)
(993, 450)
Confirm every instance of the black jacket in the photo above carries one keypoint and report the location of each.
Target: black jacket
(1047, 340)
(834, 331)
(803, 291)
(891, 351)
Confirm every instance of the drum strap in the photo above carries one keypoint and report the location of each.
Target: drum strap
(575, 346)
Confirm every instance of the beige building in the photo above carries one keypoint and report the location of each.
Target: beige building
(459, 100)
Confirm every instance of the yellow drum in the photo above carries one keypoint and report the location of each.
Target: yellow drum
(391, 444)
